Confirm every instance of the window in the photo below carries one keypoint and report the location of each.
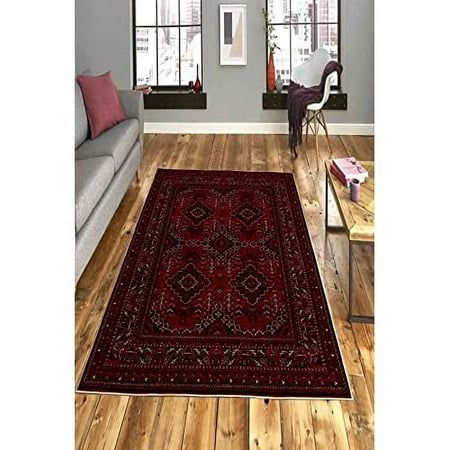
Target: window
(301, 27)
(168, 42)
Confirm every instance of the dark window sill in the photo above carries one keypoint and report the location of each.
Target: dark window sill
(272, 100)
(175, 100)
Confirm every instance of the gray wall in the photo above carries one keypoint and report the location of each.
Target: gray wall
(103, 38)
(103, 41)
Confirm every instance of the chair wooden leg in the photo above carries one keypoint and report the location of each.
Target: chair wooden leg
(316, 132)
(311, 124)
(326, 132)
(307, 126)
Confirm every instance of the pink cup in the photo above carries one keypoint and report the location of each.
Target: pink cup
(355, 190)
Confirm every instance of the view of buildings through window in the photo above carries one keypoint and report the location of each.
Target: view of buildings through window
(302, 26)
(168, 37)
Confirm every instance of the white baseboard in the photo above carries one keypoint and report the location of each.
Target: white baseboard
(363, 129)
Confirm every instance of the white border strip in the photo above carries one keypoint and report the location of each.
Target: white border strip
(340, 399)
(362, 129)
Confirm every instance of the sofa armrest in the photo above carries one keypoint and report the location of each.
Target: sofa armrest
(133, 107)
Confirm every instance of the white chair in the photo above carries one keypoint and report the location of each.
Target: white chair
(310, 74)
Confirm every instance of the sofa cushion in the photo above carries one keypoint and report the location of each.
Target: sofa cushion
(101, 98)
(116, 142)
(92, 178)
(81, 122)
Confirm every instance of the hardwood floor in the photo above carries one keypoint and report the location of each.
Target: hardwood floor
(173, 423)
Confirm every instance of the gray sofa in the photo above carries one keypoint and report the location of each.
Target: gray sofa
(104, 168)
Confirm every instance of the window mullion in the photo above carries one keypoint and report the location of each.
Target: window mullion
(156, 43)
(179, 43)
(290, 39)
(315, 27)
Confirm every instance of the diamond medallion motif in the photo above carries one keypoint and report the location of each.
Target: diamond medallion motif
(251, 284)
(248, 214)
(197, 213)
(188, 283)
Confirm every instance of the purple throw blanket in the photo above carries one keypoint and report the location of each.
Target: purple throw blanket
(299, 97)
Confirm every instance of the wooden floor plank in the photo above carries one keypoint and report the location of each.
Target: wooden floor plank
(168, 151)
(349, 349)
(204, 152)
(217, 151)
(358, 416)
(106, 424)
(232, 424)
(265, 424)
(323, 433)
(284, 155)
(232, 151)
(364, 342)
(245, 161)
(297, 425)
(177, 156)
(154, 423)
(359, 147)
(258, 151)
(138, 422)
(198, 152)
(168, 432)
(272, 156)
(85, 406)
(190, 159)
(336, 415)
(329, 426)
(200, 428)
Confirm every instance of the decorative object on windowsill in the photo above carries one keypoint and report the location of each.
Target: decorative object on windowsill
(233, 35)
(355, 190)
(197, 85)
(272, 47)
(279, 84)
(271, 74)
(144, 88)
(191, 87)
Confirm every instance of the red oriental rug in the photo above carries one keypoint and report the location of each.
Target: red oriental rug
(219, 294)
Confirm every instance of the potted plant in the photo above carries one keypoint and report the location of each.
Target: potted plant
(272, 47)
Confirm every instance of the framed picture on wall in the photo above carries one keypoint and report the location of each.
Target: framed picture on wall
(233, 35)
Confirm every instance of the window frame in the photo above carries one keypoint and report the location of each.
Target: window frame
(179, 26)
(313, 25)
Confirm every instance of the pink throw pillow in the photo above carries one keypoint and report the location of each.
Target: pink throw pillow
(102, 102)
